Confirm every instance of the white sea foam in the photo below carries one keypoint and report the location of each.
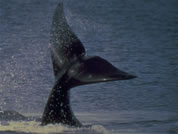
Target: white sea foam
(34, 127)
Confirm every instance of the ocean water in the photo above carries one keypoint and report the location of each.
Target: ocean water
(139, 37)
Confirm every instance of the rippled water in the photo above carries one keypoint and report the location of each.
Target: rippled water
(140, 37)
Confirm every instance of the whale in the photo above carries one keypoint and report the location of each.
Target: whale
(11, 115)
(72, 67)
(7, 115)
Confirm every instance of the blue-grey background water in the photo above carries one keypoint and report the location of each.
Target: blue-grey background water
(137, 36)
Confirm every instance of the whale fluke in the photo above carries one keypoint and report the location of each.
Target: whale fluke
(72, 68)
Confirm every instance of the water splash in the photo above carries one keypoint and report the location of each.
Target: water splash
(35, 127)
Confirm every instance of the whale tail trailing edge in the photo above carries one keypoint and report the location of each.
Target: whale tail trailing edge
(72, 68)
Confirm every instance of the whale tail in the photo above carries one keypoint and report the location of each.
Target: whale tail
(68, 53)
(72, 68)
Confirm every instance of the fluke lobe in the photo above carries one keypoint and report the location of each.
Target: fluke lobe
(72, 68)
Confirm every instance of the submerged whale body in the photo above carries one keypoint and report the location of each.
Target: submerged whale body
(11, 115)
(72, 68)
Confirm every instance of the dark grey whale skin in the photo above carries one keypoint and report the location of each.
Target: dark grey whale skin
(72, 68)
(9, 115)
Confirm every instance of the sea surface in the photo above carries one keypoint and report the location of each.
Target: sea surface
(137, 36)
